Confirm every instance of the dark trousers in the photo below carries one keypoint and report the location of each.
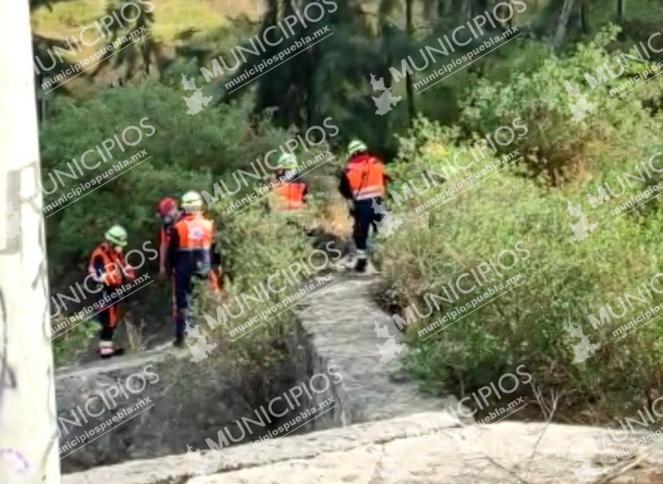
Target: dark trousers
(108, 316)
(183, 288)
(365, 217)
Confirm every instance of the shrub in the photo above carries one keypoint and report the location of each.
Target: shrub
(259, 251)
(576, 127)
(565, 280)
(185, 152)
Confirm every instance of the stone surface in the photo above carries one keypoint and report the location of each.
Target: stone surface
(384, 431)
(342, 326)
(191, 403)
(161, 402)
(421, 448)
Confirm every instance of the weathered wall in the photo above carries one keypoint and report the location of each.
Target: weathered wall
(423, 448)
(163, 401)
(337, 327)
(189, 403)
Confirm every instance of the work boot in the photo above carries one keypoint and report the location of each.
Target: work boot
(116, 352)
(361, 264)
(362, 261)
(179, 342)
(107, 350)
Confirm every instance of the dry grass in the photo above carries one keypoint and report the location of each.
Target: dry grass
(336, 220)
(172, 17)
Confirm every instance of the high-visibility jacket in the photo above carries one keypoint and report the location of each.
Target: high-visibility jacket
(109, 267)
(366, 176)
(191, 244)
(289, 196)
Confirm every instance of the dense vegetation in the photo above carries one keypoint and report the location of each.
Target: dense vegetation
(565, 163)
(533, 85)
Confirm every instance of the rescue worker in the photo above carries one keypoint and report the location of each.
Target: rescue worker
(363, 182)
(290, 191)
(192, 256)
(168, 213)
(109, 268)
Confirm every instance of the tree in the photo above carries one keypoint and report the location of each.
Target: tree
(28, 438)
(584, 16)
(129, 53)
(42, 48)
(462, 9)
(563, 22)
(432, 10)
(409, 85)
(331, 78)
(621, 10)
(290, 86)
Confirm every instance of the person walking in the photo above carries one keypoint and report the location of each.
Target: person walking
(364, 183)
(109, 269)
(192, 256)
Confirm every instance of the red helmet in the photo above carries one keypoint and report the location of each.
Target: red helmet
(166, 206)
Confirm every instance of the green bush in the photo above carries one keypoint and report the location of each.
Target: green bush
(564, 281)
(564, 140)
(186, 152)
(69, 346)
(256, 246)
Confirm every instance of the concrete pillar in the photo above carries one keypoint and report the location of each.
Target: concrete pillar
(28, 443)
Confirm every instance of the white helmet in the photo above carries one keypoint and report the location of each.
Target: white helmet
(192, 202)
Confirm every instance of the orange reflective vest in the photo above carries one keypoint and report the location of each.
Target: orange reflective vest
(289, 196)
(192, 242)
(366, 175)
(194, 233)
(109, 267)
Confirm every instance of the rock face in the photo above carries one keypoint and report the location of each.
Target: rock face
(421, 448)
